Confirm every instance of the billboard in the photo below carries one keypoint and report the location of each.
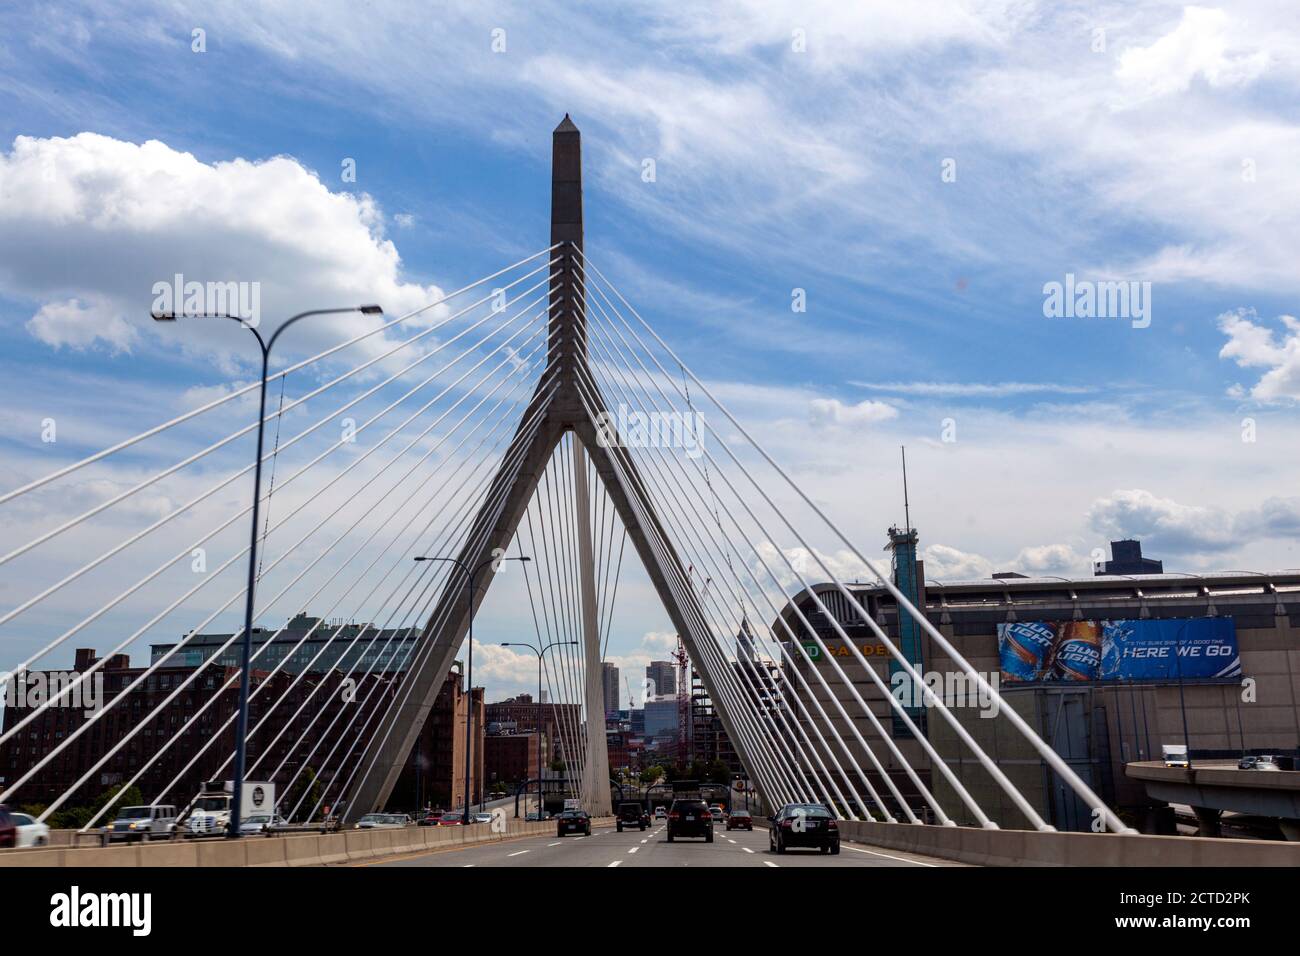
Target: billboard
(1143, 650)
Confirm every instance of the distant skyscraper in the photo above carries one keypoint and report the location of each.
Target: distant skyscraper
(1126, 558)
(662, 676)
(609, 682)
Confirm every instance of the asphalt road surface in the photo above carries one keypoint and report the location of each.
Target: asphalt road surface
(609, 848)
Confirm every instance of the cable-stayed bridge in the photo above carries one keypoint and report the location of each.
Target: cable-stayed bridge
(532, 413)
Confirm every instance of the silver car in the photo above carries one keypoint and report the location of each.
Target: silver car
(143, 823)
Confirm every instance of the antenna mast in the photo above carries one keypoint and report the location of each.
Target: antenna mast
(907, 511)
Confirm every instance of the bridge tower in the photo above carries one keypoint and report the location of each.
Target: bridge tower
(563, 402)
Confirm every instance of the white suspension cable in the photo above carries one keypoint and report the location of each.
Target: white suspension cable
(126, 443)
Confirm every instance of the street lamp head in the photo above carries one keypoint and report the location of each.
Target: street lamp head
(370, 310)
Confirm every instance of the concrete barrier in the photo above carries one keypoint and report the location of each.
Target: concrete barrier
(1031, 848)
(302, 850)
(308, 849)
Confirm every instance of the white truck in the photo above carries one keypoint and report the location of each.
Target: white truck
(210, 811)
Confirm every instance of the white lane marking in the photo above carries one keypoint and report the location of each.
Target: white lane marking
(645, 841)
(888, 857)
(519, 853)
(747, 849)
(768, 863)
(616, 863)
(556, 843)
(634, 849)
(730, 840)
(467, 866)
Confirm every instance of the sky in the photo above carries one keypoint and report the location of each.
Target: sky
(846, 217)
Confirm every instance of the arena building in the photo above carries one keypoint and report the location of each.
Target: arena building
(1107, 669)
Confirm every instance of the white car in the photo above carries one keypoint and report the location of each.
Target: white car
(260, 823)
(381, 821)
(30, 831)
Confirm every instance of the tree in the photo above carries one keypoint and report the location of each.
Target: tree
(306, 792)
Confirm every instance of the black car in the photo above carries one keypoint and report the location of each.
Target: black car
(630, 814)
(573, 821)
(740, 820)
(690, 818)
(804, 824)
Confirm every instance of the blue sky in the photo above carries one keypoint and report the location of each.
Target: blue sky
(795, 146)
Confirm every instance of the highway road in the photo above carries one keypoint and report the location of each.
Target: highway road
(608, 848)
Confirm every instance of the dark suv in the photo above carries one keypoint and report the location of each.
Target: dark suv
(690, 818)
(630, 814)
(804, 824)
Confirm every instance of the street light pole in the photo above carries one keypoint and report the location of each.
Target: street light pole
(246, 648)
(470, 576)
(540, 792)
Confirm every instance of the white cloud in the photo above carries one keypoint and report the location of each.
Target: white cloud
(72, 324)
(1059, 559)
(1162, 523)
(1200, 46)
(89, 223)
(1252, 345)
(843, 564)
(973, 389)
(831, 411)
(943, 562)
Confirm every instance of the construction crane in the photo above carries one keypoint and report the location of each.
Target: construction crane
(683, 700)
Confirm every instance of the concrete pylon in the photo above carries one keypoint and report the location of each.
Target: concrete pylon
(559, 405)
(595, 794)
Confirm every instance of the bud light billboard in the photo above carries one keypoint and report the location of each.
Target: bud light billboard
(1150, 650)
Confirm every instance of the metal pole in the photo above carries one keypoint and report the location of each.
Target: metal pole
(539, 736)
(469, 680)
(1182, 699)
(246, 648)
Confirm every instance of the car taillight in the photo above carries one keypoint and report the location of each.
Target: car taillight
(674, 816)
(831, 825)
(786, 824)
